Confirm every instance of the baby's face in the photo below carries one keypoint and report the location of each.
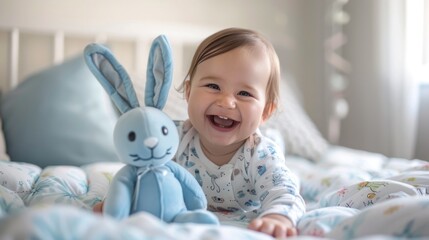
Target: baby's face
(226, 97)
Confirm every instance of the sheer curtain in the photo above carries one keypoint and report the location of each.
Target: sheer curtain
(400, 52)
(383, 91)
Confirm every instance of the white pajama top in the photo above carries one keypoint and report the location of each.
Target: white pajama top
(256, 179)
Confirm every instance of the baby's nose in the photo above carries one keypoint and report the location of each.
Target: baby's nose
(226, 101)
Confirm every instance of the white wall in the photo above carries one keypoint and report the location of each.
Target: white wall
(268, 17)
(364, 54)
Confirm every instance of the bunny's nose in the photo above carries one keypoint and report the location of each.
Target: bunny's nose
(151, 142)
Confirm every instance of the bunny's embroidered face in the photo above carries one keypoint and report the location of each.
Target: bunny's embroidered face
(145, 137)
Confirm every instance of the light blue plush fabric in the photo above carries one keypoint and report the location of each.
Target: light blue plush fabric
(105, 66)
(146, 140)
(160, 67)
(59, 116)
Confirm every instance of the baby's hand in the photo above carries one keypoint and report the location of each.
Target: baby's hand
(274, 225)
(98, 207)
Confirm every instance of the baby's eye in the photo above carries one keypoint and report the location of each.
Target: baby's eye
(213, 86)
(244, 94)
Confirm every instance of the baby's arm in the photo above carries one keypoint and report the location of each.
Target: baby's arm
(274, 225)
(280, 210)
(277, 189)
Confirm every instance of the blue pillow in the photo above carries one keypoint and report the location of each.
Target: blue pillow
(60, 116)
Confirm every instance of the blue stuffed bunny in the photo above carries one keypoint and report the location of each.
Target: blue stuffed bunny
(146, 140)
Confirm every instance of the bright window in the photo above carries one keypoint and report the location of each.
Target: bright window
(417, 39)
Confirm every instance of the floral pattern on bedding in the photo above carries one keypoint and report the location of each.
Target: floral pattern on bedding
(18, 177)
(23, 184)
(350, 194)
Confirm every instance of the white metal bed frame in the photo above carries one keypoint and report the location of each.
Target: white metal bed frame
(141, 38)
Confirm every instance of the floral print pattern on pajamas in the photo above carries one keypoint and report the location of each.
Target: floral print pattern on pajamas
(255, 180)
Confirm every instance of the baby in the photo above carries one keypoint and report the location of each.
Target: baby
(232, 87)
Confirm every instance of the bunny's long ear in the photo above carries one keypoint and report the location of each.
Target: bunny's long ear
(112, 76)
(159, 73)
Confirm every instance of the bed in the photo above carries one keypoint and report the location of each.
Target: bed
(57, 160)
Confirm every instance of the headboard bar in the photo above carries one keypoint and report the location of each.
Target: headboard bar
(58, 47)
(13, 58)
(14, 35)
(14, 54)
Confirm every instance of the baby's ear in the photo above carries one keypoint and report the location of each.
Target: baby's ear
(268, 111)
(187, 87)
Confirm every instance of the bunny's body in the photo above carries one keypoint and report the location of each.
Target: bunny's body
(163, 185)
(146, 140)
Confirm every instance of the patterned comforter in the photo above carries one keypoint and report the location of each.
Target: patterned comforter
(349, 194)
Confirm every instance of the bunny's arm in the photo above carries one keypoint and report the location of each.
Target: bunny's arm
(193, 194)
(118, 201)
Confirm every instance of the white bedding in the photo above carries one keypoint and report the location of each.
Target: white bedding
(349, 194)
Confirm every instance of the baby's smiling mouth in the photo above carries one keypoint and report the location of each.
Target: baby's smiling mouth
(222, 121)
